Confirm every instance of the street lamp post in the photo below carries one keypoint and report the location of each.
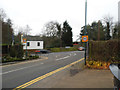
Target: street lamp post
(85, 28)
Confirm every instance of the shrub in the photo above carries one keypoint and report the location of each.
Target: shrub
(13, 51)
(19, 51)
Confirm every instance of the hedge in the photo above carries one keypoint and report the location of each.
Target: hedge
(63, 49)
(108, 51)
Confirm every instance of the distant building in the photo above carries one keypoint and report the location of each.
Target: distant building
(119, 11)
(33, 43)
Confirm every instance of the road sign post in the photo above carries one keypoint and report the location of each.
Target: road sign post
(26, 49)
(85, 40)
(25, 41)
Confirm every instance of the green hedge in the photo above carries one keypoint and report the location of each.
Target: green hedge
(63, 49)
(104, 50)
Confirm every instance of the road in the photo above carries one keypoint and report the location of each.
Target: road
(17, 74)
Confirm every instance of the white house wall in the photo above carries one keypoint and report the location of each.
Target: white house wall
(33, 45)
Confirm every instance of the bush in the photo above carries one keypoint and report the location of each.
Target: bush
(33, 57)
(12, 59)
(20, 52)
(13, 51)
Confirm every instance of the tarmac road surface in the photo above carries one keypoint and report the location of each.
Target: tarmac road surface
(17, 74)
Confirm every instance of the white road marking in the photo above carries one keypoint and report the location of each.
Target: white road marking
(74, 54)
(36, 65)
(62, 58)
(17, 69)
(42, 63)
(71, 54)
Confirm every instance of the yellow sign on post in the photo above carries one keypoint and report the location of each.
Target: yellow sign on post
(85, 38)
(24, 40)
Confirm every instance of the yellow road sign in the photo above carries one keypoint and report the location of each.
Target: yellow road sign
(85, 38)
(24, 40)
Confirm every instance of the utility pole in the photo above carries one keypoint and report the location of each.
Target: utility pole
(8, 46)
(61, 38)
(85, 28)
(25, 40)
(99, 30)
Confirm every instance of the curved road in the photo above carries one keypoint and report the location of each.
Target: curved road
(17, 74)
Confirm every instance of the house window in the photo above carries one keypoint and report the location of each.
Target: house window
(38, 44)
(28, 43)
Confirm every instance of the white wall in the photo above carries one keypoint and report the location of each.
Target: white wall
(33, 45)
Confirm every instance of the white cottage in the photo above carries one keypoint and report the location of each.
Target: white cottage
(33, 42)
(33, 45)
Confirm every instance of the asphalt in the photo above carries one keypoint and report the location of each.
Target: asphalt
(17, 74)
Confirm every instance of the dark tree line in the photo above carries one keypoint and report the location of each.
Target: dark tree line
(66, 34)
(98, 31)
(56, 36)
(7, 32)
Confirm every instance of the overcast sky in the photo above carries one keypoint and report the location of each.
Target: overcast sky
(36, 13)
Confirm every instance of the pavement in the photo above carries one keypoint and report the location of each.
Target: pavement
(86, 78)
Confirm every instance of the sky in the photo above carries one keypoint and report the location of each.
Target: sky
(36, 13)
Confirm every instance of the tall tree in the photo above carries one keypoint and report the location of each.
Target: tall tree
(7, 32)
(2, 14)
(116, 33)
(51, 34)
(109, 22)
(27, 30)
(66, 34)
(92, 31)
(59, 34)
(50, 29)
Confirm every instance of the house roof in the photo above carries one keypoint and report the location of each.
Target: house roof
(33, 38)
